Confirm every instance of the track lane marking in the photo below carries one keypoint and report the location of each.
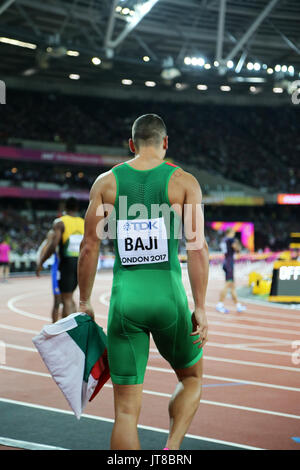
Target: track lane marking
(141, 426)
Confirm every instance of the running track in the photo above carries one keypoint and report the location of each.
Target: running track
(251, 376)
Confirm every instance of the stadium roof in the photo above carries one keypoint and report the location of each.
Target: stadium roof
(173, 44)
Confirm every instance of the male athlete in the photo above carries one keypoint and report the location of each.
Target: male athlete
(54, 273)
(229, 246)
(68, 234)
(147, 294)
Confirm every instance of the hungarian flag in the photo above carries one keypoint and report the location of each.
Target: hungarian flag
(74, 349)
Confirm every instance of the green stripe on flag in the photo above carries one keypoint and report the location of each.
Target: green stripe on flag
(95, 339)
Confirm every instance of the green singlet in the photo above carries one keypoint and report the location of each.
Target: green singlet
(147, 293)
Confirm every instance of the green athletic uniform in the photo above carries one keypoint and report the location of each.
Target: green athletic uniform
(147, 293)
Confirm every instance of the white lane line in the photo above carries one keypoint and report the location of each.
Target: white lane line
(161, 394)
(17, 328)
(244, 318)
(11, 305)
(161, 369)
(254, 364)
(283, 315)
(141, 426)
(5, 441)
(254, 327)
(210, 358)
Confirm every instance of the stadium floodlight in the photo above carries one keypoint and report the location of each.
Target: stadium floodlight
(257, 66)
(187, 60)
(73, 53)
(150, 84)
(277, 90)
(284, 68)
(291, 70)
(118, 9)
(250, 66)
(96, 60)
(216, 63)
(127, 81)
(225, 88)
(200, 61)
(277, 68)
(253, 89)
(270, 71)
(146, 58)
(74, 76)
(16, 42)
(202, 87)
(230, 64)
(207, 66)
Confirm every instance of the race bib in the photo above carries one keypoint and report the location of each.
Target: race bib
(142, 241)
(74, 245)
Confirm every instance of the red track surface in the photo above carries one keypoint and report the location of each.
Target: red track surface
(255, 347)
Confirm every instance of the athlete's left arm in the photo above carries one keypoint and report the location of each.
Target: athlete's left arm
(89, 248)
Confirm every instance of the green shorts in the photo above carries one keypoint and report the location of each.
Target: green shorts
(152, 302)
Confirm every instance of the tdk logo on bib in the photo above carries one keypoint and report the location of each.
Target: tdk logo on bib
(142, 241)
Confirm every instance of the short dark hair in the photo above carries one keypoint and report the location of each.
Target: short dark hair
(147, 130)
(71, 204)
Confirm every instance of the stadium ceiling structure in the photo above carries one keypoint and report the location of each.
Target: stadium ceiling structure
(179, 44)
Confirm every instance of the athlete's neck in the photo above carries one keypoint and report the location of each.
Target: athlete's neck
(147, 158)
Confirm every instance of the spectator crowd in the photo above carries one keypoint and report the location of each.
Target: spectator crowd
(258, 146)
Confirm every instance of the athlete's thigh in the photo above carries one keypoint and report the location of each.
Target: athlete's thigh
(128, 350)
(175, 343)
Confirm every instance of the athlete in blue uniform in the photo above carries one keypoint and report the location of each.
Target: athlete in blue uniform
(54, 274)
(229, 246)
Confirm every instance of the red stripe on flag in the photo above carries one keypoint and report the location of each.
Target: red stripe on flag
(100, 372)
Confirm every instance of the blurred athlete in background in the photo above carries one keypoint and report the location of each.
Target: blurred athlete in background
(229, 246)
(68, 233)
(54, 273)
(4, 259)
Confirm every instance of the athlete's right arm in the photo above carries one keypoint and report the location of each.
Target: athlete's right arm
(89, 248)
(197, 255)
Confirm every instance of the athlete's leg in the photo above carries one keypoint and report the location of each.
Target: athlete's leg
(6, 271)
(127, 401)
(55, 308)
(68, 303)
(184, 403)
(233, 292)
(223, 292)
(2, 271)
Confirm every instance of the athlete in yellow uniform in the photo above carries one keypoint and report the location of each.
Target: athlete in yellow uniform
(68, 234)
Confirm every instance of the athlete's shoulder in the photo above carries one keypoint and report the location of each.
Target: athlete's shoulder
(185, 178)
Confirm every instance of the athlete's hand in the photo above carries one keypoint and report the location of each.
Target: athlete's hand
(200, 326)
(86, 307)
